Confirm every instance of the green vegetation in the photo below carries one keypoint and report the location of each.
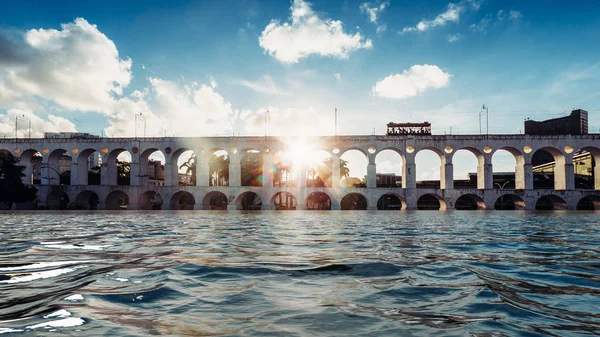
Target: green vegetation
(12, 189)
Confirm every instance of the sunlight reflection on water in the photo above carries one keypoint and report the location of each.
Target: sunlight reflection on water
(300, 273)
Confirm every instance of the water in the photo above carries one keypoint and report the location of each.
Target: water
(300, 274)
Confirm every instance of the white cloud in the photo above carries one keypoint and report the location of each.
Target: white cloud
(381, 29)
(411, 82)
(452, 14)
(77, 67)
(308, 34)
(512, 15)
(481, 26)
(265, 85)
(453, 37)
(337, 76)
(373, 11)
(25, 118)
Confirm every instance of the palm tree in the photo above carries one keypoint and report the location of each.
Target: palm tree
(218, 169)
(323, 172)
(190, 166)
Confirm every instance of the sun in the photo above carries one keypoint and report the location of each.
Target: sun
(299, 153)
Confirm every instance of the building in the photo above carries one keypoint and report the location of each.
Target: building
(388, 180)
(156, 173)
(69, 135)
(574, 124)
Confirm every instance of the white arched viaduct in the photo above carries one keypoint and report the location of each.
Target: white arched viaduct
(522, 147)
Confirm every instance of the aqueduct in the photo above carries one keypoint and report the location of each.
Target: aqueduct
(208, 193)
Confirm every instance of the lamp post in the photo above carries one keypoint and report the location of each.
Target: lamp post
(502, 195)
(23, 118)
(140, 116)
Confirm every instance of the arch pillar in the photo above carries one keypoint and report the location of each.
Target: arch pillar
(202, 168)
(267, 171)
(447, 174)
(372, 173)
(28, 178)
(301, 179)
(74, 172)
(335, 173)
(524, 176)
(135, 172)
(409, 172)
(44, 171)
(235, 173)
(170, 172)
(485, 174)
(564, 175)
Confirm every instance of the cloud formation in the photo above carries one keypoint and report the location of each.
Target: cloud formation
(411, 82)
(265, 85)
(373, 10)
(452, 14)
(309, 34)
(26, 118)
(77, 67)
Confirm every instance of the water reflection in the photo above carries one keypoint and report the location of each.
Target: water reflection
(300, 273)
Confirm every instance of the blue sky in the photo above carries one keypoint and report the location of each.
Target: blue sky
(213, 67)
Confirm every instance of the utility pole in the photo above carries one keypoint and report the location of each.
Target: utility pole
(487, 121)
(267, 121)
(335, 132)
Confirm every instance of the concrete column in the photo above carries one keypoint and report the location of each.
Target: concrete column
(301, 176)
(485, 174)
(447, 177)
(372, 175)
(267, 173)
(409, 172)
(168, 172)
(202, 169)
(335, 172)
(524, 177)
(74, 172)
(569, 176)
(44, 171)
(235, 172)
(104, 172)
(560, 178)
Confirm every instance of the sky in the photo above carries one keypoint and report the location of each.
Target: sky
(213, 68)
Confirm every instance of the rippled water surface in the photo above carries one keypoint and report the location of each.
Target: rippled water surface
(300, 274)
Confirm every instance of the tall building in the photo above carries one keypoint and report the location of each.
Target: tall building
(574, 124)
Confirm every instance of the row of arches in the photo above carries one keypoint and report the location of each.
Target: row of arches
(84, 167)
(215, 200)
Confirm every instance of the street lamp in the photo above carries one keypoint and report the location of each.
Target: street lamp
(141, 116)
(502, 195)
(23, 118)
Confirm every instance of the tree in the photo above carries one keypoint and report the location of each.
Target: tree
(94, 175)
(251, 169)
(12, 189)
(190, 166)
(123, 172)
(218, 169)
(321, 175)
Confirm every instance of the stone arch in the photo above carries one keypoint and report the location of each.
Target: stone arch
(251, 167)
(550, 202)
(57, 198)
(507, 176)
(112, 170)
(354, 163)
(87, 200)
(88, 167)
(284, 173)
(218, 167)
(58, 167)
(431, 201)
(283, 201)
(248, 201)
(587, 172)
(389, 167)
(469, 202)
(391, 201)
(183, 170)
(215, 201)
(462, 169)
(589, 203)
(421, 157)
(548, 165)
(32, 160)
(150, 200)
(318, 172)
(353, 148)
(354, 202)
(509, 202)
(117, 200)
(182, 200)
(152, 171)
(318, 201)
